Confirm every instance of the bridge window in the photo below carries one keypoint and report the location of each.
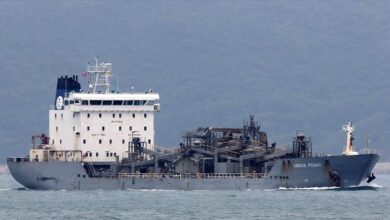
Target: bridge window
(71, 102)
(128, 102)
(66, 102)
(84, 102)
(95, 102)
(118, 102)
(107, 102)
(150, 102)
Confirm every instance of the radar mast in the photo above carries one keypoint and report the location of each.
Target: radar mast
(99, 75)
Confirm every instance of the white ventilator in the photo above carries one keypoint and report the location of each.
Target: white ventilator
(349, 147)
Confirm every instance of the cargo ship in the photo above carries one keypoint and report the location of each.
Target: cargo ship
(104, 139)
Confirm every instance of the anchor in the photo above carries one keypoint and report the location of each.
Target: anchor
(371, 178)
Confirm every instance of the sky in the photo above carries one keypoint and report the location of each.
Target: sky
(294, 65)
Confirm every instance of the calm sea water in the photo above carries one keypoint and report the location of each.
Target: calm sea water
(361, 203)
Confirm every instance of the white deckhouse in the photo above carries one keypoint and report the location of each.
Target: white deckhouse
(98, 125)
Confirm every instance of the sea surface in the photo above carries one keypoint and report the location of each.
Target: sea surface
(364, 202)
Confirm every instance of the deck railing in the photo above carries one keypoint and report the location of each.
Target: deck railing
(192, 176)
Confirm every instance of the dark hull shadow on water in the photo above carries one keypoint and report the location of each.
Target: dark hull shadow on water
(20, 189)
(358, 188)
(352, 188)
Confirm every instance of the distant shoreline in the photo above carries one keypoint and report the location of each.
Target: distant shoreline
(382, 168)
(3, 169)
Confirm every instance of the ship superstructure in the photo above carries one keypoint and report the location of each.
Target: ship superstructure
(96, 125)
(104, 139)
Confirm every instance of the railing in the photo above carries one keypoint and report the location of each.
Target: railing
(367, 151)
(18, 159)
(192, 176)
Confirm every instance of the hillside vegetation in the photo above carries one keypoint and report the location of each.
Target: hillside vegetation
(307, 65)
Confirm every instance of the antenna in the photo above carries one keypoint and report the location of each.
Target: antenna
(368, 141)
(117, 83)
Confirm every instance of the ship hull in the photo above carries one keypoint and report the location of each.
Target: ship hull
(329, 171)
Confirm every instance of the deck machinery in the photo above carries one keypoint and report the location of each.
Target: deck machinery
(211, 151)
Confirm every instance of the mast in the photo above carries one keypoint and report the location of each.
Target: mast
(100, 75)
(349, 147)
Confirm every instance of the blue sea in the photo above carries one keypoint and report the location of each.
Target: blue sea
(365, 202)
